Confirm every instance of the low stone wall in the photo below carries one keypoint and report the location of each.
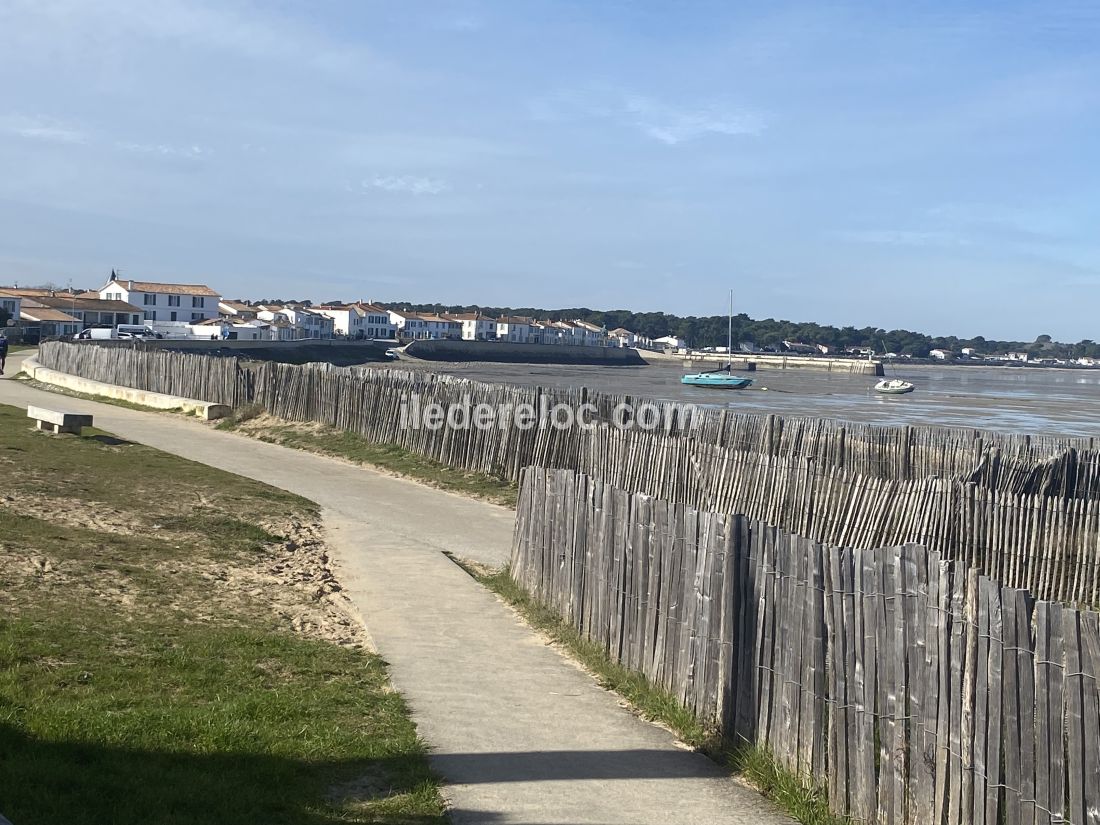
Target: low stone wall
(847, 366)
(203, 409)
(511, 353)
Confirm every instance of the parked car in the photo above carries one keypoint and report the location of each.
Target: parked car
(137, 331)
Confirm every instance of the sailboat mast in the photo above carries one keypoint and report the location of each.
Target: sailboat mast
(729, 338)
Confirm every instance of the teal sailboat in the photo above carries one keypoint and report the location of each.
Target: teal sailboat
(723, 377)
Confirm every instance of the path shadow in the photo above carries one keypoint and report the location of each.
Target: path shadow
(109, 440)
(561, 766)
(74, 783)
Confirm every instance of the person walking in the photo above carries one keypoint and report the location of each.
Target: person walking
(3, 351)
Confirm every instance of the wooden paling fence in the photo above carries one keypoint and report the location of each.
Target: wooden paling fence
(200, 377)
(1048, 544)
(918, 689)
(1025, 510)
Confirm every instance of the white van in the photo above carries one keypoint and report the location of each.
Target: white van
(98, 333)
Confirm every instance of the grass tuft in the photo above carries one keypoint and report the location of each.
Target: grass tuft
(239, 416)
(807, 803)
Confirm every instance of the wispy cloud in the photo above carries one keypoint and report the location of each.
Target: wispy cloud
(903, 237)
(34, 128)
(408, 184)
(670, 124)
(163, 149)
(248, 30)
(1031, 223)
(465, 23)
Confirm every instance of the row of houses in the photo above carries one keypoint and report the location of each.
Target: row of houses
(198, 311)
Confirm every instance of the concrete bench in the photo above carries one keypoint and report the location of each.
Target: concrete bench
(55, 421)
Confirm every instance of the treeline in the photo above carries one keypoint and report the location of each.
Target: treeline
(709, 331)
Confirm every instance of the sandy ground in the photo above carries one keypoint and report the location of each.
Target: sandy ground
(295, 578)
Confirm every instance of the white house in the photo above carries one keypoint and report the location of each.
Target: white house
(304, 321)
(405, 322)
(475, 326)
(517, 330)
(164, 302)
(590, 335)
(560, 332)
(942, 354)
(236, 310)
(670, 342)
(279, 328)
(41, 321)
(346, 321)
(969, 352)
(10, 303)
(360, 320)
(623, 337)
(376, 321)
(1018, 356)
(422, 326)
(539, 332)
(439, 326)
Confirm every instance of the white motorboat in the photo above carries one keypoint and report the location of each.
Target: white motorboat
(894, 386)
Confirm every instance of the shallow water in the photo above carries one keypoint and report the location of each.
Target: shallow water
(1008, 399)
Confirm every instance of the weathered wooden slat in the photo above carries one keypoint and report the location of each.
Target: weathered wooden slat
(1090, 683)
(1077, 736)
(993, 753)
(1049, 730)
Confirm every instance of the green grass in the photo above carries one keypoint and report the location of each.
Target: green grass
(806, 803)
(392, 458)
(133, 689)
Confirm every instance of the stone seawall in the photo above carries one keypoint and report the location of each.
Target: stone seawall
(510, 353)
(847, 366)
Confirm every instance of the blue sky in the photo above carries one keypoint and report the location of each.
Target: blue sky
(928, 165)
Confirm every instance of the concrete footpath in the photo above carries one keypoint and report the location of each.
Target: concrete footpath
(518, 732)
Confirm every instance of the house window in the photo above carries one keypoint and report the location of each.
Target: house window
(150, 299)
(150, 315)
(173, 317)
(196, 316)
(173, 300)
(198, 302)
